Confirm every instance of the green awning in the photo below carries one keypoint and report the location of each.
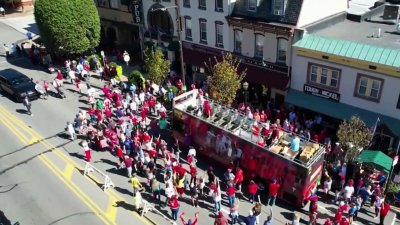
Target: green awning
(339, 110)
(376, 157)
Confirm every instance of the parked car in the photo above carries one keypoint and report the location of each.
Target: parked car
(17, 85)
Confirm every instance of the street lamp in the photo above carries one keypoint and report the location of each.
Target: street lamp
(179, 30)
(245, 91)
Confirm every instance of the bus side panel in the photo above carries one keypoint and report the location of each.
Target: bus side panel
(223, 148)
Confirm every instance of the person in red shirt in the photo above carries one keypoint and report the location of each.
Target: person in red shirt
(207, 109)
(238, 179)
(230, 192)
(263, 117)
(189, 222)
(174, 205)
(273, 192)
(338, 217)
(152, 104)
(252, 188)
(385, 208)
(328, 222)
(344, 221)
(179, 84)
(221, 219)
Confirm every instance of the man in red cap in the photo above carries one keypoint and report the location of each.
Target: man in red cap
(221, 219)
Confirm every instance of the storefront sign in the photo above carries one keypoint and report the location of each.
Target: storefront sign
(264, 64)
(321, 93)
(137, 11)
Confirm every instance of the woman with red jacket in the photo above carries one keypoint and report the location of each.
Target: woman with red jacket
(252, 188)
(238, 179)
(174, 205)
(385, 208)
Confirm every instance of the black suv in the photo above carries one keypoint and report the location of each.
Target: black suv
(17, 85)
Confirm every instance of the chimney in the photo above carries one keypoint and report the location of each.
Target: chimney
(379, 32)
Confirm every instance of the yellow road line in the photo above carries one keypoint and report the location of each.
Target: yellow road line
(111, 211)
(68, 171)
(37, 137)
(72, 187)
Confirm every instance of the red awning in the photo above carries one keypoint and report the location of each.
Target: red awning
(254, 74)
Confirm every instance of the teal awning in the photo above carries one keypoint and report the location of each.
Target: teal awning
(340, 110)
(376, 157)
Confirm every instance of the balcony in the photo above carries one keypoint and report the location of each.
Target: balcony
(261, 63)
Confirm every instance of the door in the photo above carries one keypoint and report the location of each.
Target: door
(279, 100)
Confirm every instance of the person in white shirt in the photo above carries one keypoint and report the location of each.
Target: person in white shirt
(192, 151)
(157, 107)
(133, 106)
(348, 190)
(71, 131)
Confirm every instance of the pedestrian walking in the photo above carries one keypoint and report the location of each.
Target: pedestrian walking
(234, 212)
(257, 211)
(269, 218)
(194, 194)
(250, 219)
(230, 192)
(351, 213)
(217, 197)
(189, 221)
(385, 208)
(70, 130)
(174, 205)
(156, 189)
(273, 192)
(27, 103)
(6, 50)
(86, 149)
(127, 163)
(137, 200)
(252, 188)
(220, 219)
(136, 185)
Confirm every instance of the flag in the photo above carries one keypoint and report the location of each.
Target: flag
(375, 126)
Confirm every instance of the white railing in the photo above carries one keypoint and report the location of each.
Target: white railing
(107, 180)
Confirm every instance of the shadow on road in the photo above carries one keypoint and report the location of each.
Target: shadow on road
(34, 143)
(123, 191)
(107, 161)
(22, 111)
(124, 205)
(25, 161)
(12, 186)
(72, 215)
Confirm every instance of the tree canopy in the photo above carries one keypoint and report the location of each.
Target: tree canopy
(156, 65)
(354, 132)
(225, 79)
(68, 26)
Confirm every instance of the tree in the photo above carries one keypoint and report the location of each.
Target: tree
(156, 65)
(224, 80)
(71, 26)
(356, 135)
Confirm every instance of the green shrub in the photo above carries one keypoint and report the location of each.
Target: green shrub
(136, 77)
(393, 187)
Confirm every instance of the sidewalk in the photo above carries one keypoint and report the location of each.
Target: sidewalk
(14, 13)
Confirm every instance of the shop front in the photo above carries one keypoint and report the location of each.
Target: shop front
(263, 77)
(328, 103)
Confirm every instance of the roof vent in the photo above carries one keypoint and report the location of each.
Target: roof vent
(398, 28)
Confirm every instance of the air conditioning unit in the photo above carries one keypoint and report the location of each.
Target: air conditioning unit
(278, 12)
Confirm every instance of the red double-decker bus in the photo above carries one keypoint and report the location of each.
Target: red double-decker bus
(226, 136)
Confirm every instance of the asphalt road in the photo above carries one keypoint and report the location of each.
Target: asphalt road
(41, 172)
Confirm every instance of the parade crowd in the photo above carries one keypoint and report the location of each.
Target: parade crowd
(132, 123)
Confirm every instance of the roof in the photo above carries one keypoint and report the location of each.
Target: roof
(264, 11)
(365, 30)
(376, 157)
(11, 74)
(351, 49)
(360, 6)
(329, 108)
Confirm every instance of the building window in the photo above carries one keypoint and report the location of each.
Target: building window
(282, 50)
(186, 3)
(252, 5)
(368, 87)
(203, 31)
(237, 41)
(188, 28)
(219, 34)
(324, 76)
(398, 102)
(259, 46)
(202, 4)
(279, 7)
(114, 4)
(219, 7)
(102, 3)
